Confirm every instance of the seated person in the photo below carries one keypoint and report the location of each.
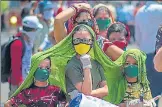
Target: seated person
(134, 72)
(40, 93)
(84, 74)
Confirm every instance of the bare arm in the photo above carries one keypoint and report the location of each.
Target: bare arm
(114, 52)
(59, 29)
(8, 104)
(101, 92)
(158, 60)
(86, 86)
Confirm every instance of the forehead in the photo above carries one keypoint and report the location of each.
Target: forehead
(84, 14)
(117, 35)
(102, 10)
(130, 59)
(45, 62)
(82, 34)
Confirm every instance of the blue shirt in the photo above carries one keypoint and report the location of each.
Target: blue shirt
(147, 21)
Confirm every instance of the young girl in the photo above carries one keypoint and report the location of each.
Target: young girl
(134, 72)
(40, 93)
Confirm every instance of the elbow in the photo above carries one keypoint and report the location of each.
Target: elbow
(157, 65)
(58, 19)
(86, 92)
(106, 91)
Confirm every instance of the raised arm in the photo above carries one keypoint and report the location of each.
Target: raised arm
(59, 28)
(60, 31)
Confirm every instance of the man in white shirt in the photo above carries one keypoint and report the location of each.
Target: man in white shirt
(147, 21)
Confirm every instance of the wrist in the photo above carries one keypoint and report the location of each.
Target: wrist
(86, 69)
(74, 8)
(106, 45)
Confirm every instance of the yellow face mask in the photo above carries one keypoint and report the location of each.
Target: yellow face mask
(82, 48)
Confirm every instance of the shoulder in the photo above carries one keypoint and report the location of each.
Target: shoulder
(16, 44)
(72, 63)
(54, 88)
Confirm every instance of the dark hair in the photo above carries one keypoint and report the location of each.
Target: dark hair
(25, 12)
(117, 27)
(48, 59)
(102, 7)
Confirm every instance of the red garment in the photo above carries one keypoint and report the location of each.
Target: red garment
(16, 49)
(35, 96)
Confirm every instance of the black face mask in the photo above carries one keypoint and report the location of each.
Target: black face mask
(88, 22)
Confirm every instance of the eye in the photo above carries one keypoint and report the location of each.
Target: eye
(126, 64)
(76, 41)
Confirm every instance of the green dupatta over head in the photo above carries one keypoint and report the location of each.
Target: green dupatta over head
(140, 57)
(62, 52)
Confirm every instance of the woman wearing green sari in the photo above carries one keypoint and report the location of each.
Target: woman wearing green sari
(61, 53)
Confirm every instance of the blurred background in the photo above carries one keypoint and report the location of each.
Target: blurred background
(12, 13)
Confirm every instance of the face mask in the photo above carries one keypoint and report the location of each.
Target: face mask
(89, 23)
(41, 75)
(31, 36)
(48, 14)
(103, 24)
(82, 49)
(121, 44)
(131, 71)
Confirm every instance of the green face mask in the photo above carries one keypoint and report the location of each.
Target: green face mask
(41, 75)
(103, 24)
(131, 71)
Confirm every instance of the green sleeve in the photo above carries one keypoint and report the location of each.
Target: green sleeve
(74, 73)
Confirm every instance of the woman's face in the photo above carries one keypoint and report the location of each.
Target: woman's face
(102, 14)
(83, 17)
(130, 61)
(117, 36)
(82, 42)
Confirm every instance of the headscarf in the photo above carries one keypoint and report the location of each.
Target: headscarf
(96, 8)
(62, 52)
(72, 20)
(140, 57)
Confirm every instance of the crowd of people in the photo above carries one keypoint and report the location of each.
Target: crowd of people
(83, 49)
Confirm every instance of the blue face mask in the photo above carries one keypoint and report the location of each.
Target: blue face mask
(131, 71)
(41, 74)
(48, 14)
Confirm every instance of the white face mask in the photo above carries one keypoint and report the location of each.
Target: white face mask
(31, 36)
(48, 14)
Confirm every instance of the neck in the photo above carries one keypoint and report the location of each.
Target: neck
(78, 56)
(41, 84)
